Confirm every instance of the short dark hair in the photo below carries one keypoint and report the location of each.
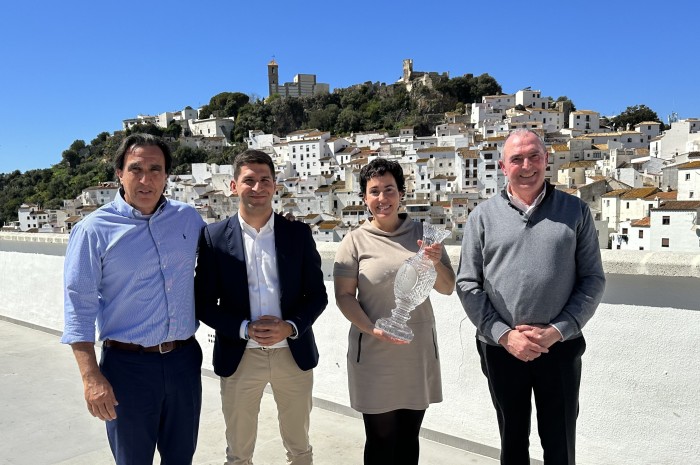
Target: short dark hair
(379, 167)
(252, 156)
(142, 140)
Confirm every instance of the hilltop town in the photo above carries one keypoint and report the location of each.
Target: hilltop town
(642, 183)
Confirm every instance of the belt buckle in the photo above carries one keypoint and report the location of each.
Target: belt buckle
(165, 347)
(264, 348)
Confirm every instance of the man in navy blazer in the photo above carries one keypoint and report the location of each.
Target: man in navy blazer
(259, 284)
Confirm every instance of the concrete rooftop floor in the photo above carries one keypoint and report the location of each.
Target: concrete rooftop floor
(43, 419)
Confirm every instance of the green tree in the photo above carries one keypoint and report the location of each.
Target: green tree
(100, 138)
(286, 115)
(173, 130)
(188, 155)
(635, 115)
(251, 117)
(567, 101)
(146, 128)
(224, 105)
(459, 88)
(349, 120)
(227, 155)
(324, 118)
(484, 85)
(70, 158)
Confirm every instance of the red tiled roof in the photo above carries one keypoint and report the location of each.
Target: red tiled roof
(640, 193)
(679, 205)
(690, 165)
(643, 223)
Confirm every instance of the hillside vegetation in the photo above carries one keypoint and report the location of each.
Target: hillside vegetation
(359, 108)
(362, 107)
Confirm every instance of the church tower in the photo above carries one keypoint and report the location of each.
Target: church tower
(272, 78)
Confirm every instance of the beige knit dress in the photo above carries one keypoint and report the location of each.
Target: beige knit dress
(382, 376)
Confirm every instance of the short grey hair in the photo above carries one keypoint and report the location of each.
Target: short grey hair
(519, 133)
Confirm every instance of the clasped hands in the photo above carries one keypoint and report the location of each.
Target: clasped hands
(269, 330)
(528, 342)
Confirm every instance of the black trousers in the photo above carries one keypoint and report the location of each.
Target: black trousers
(392, 437)
(554, 378)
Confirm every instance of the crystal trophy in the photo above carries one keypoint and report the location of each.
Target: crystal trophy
(412, 286)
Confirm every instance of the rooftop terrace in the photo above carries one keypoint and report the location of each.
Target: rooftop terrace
(640, 401)
(44, 420)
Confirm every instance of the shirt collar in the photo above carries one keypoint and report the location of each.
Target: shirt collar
(522, 205)
(269, 226)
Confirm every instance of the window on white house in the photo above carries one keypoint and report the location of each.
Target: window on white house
(666, 220)
(664, 242)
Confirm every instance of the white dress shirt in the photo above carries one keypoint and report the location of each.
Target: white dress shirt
(263, 276)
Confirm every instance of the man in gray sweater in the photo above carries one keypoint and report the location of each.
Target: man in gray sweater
(530, 277)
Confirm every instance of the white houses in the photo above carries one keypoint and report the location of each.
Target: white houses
(675, 226)
(99, 195)
(586, 121)
(531, 99)
(689, 181)
(212, 127)
(683, 136)
(31, 217)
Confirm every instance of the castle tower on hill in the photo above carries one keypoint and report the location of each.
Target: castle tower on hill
(410, 78)
(304, 85)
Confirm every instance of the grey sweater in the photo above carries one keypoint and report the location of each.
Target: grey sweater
(545, 268)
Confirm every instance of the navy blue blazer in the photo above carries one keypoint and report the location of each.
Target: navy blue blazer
(221, 288)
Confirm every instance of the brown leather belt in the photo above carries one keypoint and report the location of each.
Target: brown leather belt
(163, 347)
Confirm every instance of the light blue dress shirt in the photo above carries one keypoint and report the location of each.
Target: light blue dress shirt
(132, 274)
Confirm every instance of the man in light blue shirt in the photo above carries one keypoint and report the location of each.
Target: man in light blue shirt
(129, 269)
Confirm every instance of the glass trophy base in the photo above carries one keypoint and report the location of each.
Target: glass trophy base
(395, 329)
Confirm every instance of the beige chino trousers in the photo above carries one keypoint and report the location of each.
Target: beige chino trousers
(240, 400)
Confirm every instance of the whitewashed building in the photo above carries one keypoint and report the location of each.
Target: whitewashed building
(675, 226)
(689, 181)
(99, 195)
(212, 127)
(586, 121)
(683, 136)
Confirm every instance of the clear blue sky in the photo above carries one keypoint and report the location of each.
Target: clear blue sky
(72, 69)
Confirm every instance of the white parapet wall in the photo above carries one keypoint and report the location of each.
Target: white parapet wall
(640, 401)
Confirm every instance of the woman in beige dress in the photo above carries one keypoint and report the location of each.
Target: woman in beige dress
(391, 382)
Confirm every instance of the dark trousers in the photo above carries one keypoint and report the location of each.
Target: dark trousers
(554, 378)
(392, 437)
(160, 398)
